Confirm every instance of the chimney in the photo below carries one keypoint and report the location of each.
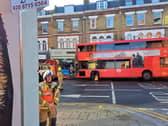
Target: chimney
(86, 2)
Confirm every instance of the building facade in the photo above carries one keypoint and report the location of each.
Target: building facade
(104, 20)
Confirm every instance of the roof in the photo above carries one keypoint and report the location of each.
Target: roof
(93, 6)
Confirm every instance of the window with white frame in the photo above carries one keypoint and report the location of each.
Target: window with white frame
(94, 39)
(60, 43)
(60, 25)
(102, 37)
(43, 44)
(74, 41)
(65, 44)
(75, 24)
(157, 16)
(68, 42)
(44, 27)
(92, 20)
(101, 4)
(155, 1)
(39, 45)
(110, 21)
(129, 18)
(128, 2)
(141, 17)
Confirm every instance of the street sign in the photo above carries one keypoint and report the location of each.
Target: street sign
(17, 5)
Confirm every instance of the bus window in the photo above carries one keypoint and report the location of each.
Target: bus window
(110, 64)
(164, 61)
(138, 45)
(94, 48)
(89, 48)
(100, 64)
(104, 47)
(165, 43)
(122, 64)
(81, 48)
(105, 64)
(83, 65)
(121, 46)
(154, 44)
(92, 65)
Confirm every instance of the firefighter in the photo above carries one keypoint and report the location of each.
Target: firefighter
(60, 75)
(48, 97)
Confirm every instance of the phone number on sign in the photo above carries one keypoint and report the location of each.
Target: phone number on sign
(29, 5)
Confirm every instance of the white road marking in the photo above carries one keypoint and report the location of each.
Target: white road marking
(97, 89)
(71, 96)
(164, 102)
(159, 93)
(113, 93)
(129, 90)
(93, 96)
(152, 86)
(83, 96)
(161, 97)
(92, 85)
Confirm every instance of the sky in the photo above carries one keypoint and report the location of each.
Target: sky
(53, 3)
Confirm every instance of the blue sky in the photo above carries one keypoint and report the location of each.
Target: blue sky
(64, 2)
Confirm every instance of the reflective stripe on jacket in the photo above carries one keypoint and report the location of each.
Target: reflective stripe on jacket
(59, 69)
(48, 94)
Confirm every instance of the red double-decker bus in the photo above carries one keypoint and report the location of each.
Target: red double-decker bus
(144, 58)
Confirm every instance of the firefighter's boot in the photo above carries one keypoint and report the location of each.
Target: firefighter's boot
(53, 121)
(43, 123)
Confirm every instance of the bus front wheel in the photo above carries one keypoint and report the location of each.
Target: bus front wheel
(147, 75)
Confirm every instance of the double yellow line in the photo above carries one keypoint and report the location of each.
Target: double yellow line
(147, 112)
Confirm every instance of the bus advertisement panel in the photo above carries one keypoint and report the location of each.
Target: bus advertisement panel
(144, 58)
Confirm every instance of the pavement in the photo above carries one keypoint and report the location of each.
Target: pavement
(97, 114)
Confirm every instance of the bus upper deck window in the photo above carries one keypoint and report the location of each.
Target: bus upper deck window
(154, 44)
(90, 48)
(82, 48)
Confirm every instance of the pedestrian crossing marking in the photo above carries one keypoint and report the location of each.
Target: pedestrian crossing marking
(152, 86)
(161, 97)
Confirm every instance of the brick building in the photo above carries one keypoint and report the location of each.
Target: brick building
(59, 30)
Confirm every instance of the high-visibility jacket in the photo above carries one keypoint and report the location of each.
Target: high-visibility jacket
(48, 94)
